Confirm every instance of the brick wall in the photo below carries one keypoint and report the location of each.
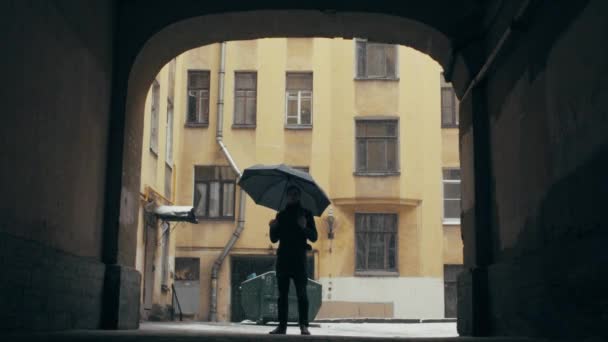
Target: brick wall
(45, 289)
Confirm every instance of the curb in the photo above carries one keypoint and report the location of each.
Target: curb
(385, 320)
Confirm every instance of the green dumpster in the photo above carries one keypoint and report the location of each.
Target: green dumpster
(259, 299)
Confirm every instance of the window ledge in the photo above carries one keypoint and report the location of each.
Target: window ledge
(202, 219)
(196, 124)
(390, 79)
(299, 127)
(451, 222)
(376, 273)
(449, 126)
(243, 126)
(376, 174)
(154, 153)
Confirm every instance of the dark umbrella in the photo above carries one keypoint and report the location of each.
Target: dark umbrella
(267, 184)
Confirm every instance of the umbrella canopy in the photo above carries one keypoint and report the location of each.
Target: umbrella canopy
(267, 185)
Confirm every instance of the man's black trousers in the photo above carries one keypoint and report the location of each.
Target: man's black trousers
(300, 279)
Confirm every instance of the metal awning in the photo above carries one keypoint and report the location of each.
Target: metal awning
(176, 213)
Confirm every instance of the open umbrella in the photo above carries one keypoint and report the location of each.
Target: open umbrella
(267, 184)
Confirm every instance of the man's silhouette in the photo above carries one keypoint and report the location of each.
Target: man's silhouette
(292, 226)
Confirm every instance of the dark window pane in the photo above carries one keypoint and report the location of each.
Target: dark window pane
(376, 243)
(245, 80)
(392, 251)
(361, 251)
(451, 190)
(250, 109)
(361, 155)
(154, 117)
(299, 81)
(228, 200)
(198, 96)
(305, 111)
(239, 109)
(376, 60)
(451, 174)
(200, 199)
(391, 60)
(376, 155)
(198, 79)
(375, 259)
(214, 199)
(391, 155)
(451, 209)
(361, 58)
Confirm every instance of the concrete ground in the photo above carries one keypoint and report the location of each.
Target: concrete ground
(317, 329)
(210, 332)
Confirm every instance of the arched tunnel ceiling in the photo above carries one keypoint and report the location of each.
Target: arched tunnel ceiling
(449, 31)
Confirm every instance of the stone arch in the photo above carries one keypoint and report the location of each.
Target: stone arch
(186, 34)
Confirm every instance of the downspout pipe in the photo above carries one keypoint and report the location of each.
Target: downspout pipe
(240, 225)
(515, 26)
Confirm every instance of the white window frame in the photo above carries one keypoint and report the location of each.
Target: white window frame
(450, 220)
(299, 94)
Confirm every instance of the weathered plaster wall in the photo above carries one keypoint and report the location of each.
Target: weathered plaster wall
(57, 63)
(548, 122)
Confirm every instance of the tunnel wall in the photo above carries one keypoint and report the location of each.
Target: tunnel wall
(57, 66)
(547, 103)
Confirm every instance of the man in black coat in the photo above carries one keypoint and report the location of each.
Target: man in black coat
(292, 226)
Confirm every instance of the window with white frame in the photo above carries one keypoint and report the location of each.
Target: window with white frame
(376, 242)
(198, 97)
(451, 196)
(154, 117)
(375, 60)
(298, 91)
(214, 192)
(376, 146)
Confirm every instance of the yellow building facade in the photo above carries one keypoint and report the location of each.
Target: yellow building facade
(364, 119)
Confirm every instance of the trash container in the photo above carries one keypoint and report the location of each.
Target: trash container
(259, 299)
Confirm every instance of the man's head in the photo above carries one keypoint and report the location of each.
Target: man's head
(293, 194)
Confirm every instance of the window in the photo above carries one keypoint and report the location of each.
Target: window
(299, 99)
(376, 242)
(214, 190)
(449, 105)
(168, 181)
(169, 135)
(169, 126)
(376, 60)
(376, 145)
(154, 117)
(198, 97)
(451, 196)
(245, 92)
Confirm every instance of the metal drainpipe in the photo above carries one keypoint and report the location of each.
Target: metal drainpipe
(241, 214)
(515, 23)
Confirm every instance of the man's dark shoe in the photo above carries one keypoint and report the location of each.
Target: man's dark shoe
(280, 330)
(304, 330)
